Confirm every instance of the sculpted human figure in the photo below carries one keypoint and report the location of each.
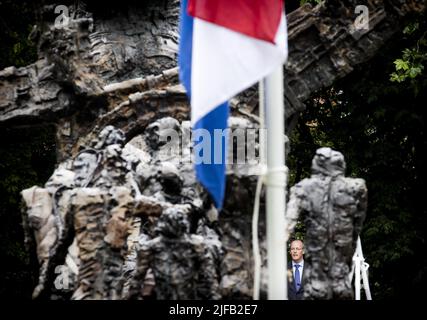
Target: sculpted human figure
(183, 264)
(333, 208)
(112, 198)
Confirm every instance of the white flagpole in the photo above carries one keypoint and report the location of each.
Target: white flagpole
(276, 186)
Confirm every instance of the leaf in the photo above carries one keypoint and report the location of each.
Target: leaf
(415, 71)
(401, 64)
(396, 77)
(411, 28)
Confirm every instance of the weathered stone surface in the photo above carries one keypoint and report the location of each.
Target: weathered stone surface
(184, 266)
(106, 63)
(333, 208)
(115, 202)
(31, 93)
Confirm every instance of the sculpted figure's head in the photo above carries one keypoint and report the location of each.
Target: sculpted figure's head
(173, 223)
(108, 136)
(328, 162)
(84, 166)
(162, 131)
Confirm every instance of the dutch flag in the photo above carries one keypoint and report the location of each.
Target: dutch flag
(225, 47)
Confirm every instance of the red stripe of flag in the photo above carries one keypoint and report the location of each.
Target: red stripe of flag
(255, 18)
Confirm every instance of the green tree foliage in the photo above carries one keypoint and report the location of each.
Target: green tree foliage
(16, 21)
(414, 58)
(379, 126)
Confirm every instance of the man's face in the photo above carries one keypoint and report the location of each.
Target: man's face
(297, 250)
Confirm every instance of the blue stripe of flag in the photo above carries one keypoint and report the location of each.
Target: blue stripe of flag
(211, 175)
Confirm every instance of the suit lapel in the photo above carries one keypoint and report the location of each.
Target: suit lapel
(291, 280)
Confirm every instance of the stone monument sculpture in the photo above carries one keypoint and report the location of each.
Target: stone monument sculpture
(333, 208)
(183, 264)
(118, 67)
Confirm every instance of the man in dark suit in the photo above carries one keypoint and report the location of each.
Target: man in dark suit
(295, 271)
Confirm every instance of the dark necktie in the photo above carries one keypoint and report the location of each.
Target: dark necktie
(297, 277)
